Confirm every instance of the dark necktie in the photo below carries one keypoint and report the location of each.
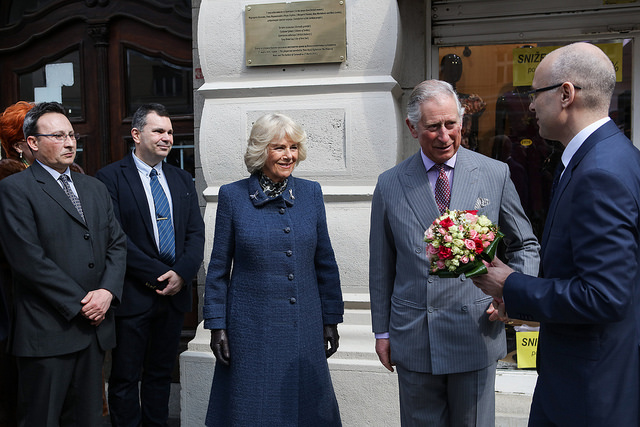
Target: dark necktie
(442, 192)
(64, 179)
(166, 238)
(556, 178)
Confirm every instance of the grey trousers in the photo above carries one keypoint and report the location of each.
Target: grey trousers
(465, 399)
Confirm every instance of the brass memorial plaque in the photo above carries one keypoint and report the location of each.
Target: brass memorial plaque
(302, 32)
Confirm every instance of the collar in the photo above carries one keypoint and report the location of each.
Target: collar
(428, 163)
(577, 141)
(144, 168)
(54, 173)
(258, 198)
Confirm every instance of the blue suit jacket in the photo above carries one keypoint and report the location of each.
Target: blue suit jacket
(587, 302)
(440, 325)
(143, 261)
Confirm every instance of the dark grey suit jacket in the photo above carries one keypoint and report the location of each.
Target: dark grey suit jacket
(440, 325)
(56, 259)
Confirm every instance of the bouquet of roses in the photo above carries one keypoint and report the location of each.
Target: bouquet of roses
(458, 241)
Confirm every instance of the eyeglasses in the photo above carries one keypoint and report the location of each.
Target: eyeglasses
(60, 137)
(532, 93)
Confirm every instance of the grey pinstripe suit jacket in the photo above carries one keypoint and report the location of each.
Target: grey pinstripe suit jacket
(440, 325)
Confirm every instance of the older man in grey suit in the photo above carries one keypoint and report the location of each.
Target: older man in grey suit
(437, 332)
(67, 254)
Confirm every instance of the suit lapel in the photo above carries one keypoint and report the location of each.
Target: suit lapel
(602, 133)
(415, 184)
(465, 188)
(55, 191)
(132, 177)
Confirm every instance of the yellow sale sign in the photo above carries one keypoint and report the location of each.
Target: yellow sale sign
(526, 349)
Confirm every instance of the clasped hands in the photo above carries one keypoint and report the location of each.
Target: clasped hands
(95, 305)
(492, 284)
(220, 343)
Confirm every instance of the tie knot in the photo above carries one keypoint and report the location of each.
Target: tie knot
(153, 173)
(439, 167)
(64, 178)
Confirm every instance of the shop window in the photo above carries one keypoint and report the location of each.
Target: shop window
(498, 122)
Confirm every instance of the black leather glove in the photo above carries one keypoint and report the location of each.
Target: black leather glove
(331, 339)
(220, 345)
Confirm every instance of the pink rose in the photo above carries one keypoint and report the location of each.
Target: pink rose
(440, 264)
(431, 250)
(448, 238)
(473, 234)
(464, 260)
(470, 244)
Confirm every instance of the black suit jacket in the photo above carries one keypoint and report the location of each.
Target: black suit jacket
(143, 261)
(56, 259)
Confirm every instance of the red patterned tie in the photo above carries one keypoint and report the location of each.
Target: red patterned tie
(442, 193)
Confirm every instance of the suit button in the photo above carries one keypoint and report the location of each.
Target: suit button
(430, 309)
(465, 308)
(289, 253)
(287, 230)
(86, 236)
(91, 265)
(418, 250)
(290, 276)
(292, 300)
(281, 210)
(430, 280)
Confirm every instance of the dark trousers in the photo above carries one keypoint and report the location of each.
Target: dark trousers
(8, 387)
(61, 390)
(146, 352)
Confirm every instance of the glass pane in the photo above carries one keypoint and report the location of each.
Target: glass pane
(499, 123)
(152, 79)
(59, 80)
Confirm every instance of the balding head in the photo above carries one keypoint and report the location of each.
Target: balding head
(588, 67)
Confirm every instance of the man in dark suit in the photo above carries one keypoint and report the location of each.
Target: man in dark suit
(436, 331)
(67, 255)
(587, 298)
(157, 206)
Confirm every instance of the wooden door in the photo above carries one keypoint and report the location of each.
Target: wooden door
(102, 59)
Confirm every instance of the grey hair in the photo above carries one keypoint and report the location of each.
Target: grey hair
(269, 128)
(430, 90)
(595, 74)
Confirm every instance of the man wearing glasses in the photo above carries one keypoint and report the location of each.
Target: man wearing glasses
(67, 254)
(587, 298)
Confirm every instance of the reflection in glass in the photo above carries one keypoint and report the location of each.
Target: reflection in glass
(151, 79)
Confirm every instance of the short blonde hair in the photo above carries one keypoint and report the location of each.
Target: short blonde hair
(269, 128)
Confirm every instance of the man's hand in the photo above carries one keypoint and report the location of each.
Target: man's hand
(174, 283)
(497, 311)
(331, 339)
(95, 305)
(383, 348)
(220, 345)
(492, 283)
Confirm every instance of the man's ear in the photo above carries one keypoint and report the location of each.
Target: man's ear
(412, 129)
(33, 143)
(135, 134)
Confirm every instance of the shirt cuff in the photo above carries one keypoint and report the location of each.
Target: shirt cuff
(383, 335)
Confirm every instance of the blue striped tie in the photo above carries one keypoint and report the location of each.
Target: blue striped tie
(166, 237)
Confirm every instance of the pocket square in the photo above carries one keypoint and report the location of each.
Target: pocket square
(480, 203)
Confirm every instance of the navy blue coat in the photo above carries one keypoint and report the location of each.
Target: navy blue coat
(588, 303)
(272, 283)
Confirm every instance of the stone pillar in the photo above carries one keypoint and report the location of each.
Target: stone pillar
(352, 116)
